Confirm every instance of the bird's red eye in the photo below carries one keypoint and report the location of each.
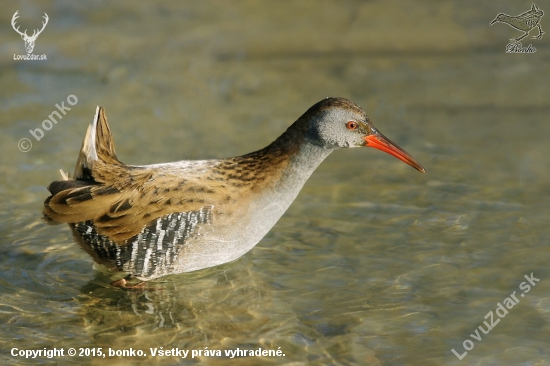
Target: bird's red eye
(351, 125)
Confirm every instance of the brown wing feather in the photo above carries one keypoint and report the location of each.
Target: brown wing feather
(122, 211)
(121, 200)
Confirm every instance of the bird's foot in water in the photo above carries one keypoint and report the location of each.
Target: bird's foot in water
(125, 283)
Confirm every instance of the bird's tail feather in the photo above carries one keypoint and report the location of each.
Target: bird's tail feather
(84, 195)
(98, 144)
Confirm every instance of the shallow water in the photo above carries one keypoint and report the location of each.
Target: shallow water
(374, 264)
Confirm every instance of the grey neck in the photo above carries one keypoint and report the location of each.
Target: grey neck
(275, 200)
(300, 167)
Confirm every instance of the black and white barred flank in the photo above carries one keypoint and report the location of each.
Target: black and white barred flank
(152, 252)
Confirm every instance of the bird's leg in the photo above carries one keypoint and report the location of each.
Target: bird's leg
(124, 283)
(539, 36)
(520, 38)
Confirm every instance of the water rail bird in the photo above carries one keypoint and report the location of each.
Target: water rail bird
(155, 220)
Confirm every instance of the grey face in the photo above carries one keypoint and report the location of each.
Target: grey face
(340, 127)
(337, 122)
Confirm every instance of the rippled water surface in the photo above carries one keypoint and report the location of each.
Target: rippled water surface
(374, 263)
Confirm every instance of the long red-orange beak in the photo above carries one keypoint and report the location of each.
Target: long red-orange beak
(381, 142)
